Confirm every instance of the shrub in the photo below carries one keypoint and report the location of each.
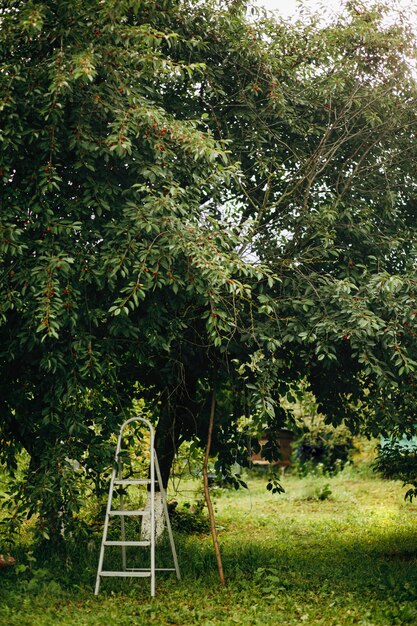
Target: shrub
(189, 518)
(397, 460)
(323, 444)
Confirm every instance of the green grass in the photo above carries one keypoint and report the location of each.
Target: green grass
(291, 559)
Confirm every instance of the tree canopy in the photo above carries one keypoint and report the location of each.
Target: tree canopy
(194, 197)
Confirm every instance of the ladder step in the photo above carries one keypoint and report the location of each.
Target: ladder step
(131, 513)
(127, 543)
(143, 574)
(146, 569)
(133, 481)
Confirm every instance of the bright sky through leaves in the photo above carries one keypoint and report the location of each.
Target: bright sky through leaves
(292, 7)
(327, 9)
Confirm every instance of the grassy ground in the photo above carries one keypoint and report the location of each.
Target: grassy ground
(328, 552)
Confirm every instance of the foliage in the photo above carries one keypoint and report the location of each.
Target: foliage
(191, 200)
(323, 444)
(397, 460)
(109, 257)
(324, 197)
(190, 518)
(317, 491)
(319, 446)
(274, 484)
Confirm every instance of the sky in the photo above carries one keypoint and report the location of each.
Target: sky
(325, 7)
(291, 7)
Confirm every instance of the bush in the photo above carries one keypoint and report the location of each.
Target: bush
(323, 444)
(397, 460)
(189, 518)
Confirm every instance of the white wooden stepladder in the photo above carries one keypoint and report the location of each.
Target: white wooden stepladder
(153, 478)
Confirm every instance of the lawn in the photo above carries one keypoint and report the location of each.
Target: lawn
(330, 551)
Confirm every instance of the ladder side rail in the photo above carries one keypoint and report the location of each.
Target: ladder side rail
(167, 520)
(105, 531)
(122, 519)
(152, 512)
